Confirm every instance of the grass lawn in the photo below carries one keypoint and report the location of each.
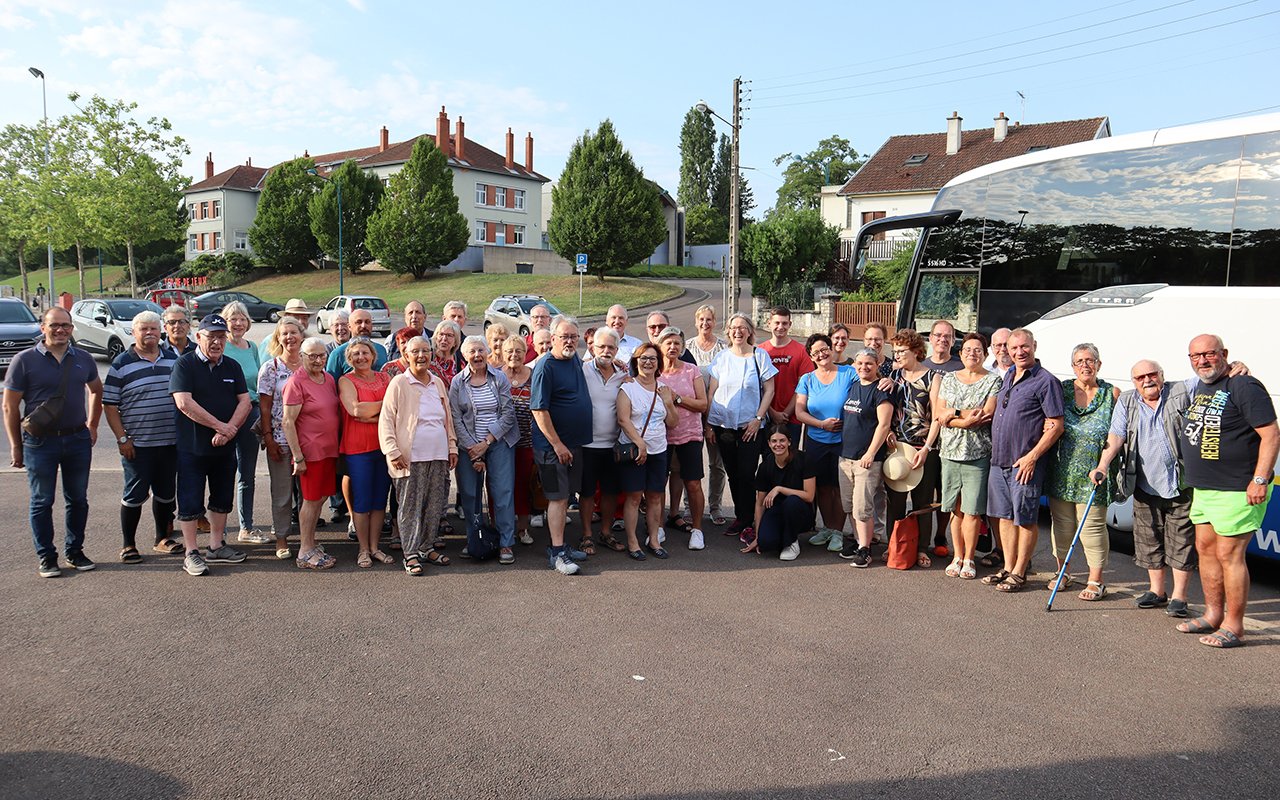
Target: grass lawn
(68, 278)
(477, 290)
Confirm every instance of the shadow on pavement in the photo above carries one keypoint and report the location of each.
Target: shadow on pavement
(36, 775)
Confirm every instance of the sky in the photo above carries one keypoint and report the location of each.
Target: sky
(270, 79)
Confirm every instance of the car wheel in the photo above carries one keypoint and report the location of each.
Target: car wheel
(114, 348)
(319, 324)
(274, 316)
(524, 330)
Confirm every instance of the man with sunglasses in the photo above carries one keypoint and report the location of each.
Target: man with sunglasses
(35, 376)
(1229, 445)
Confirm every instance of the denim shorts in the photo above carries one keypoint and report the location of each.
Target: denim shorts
(1008, 499)
(651, 476)
(152, 471)
(193, 472)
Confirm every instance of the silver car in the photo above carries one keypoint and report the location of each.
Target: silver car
(513, 310)
(105, 326)
(376, 306)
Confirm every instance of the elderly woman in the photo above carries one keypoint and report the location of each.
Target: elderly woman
(494, 336)
(366, 481)
(966, 405)
(646, 413)
(248, 356)
(785, 487)
(415, 430)
(284, 349)
(741, 389)
(484, 419)
(915, 388)
(820, 398)
(685, 439)
(1088, 402)
(312, 419)
(520, 377)
(704, 348)
(447, 358)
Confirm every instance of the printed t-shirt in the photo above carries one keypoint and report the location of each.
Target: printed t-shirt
(861, 420)
(1219, 443)
(791, 361)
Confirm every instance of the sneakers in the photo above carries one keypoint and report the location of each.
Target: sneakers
(791, 552)
(821, 537)
(662, 538)
(573, 505)
(202, 525)
(80, 561)
(861, 557)
(569, 553)
(695, 540)
(748, 535)
(194, 563)
(1176, 608)
(734, 528)
(351, 531)
(619, 524)
(564, 565)
(224, 555)
(49, 567)
(505, 556)
(254, 537)
(526, 538)
(836, 543)
(849, 547)
(338, 517)
(538, 520)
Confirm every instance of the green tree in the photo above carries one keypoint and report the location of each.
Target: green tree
(281, 232)
(697, 159)
(136, 175)
(603, 206)
(802, 180)
(21, 224)
(882, 281)
(785, 242)
(705, 225)
(69, 190)
(361, 193)
(417, 226)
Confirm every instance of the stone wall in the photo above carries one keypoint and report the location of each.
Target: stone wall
(503, 260)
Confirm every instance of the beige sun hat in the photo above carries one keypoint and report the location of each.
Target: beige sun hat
(296, 306)
(898, 474)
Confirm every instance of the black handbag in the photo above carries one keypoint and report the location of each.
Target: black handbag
(483, 539)
(628, 452)
(42, 417)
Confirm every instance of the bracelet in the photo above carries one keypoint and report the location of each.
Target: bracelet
(299, 459)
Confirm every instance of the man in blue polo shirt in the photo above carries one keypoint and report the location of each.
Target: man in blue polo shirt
(36, 375)
(1028, 421)
(207, 429)
(361, 324)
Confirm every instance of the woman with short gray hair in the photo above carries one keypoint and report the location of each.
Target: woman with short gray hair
(446, 361)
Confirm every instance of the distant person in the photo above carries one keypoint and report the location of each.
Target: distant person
(415, 319)
(539, 320)
(339, 329)
(617, 319)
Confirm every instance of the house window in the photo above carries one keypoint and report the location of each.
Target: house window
(479, 228)
(191, 210)
(215, 241)
(848, 212)
(918, 158)
(200, 241)
(191, 242)
(871, 216)
(517, 234)
(204, 210)
(519, 199)
(482, 194)
(241, 241)
(500, 197)
(500, 235)
(216, 205)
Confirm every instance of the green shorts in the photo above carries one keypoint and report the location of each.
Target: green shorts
(1228, 512)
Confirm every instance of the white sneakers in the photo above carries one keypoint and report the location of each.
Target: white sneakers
(695, 540)
(791, 551)
(538, 520)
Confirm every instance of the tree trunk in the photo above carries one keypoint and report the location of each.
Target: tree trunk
(80, 265)
(22, 268)
(133, 272)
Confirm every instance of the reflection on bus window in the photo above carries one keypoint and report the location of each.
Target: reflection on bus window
(1255, 241)
(948, 296)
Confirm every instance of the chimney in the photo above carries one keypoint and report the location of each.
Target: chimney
(385, 141)
(249, 163)
(528, 151)
(208, 167)
(511, 149)
(461, 143)
(1002, 127)
(953, 133)
(442, 133)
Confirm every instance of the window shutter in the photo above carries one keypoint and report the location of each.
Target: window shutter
(489, 195)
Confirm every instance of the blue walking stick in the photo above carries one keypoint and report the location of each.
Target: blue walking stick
(1057, 584)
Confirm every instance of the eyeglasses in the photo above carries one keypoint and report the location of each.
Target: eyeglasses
(822, 351)
(567, 337)
(59, 326)
(942, 336)
(1143, 377)
(317, 356)
(656, 327)
(647, 359)
(1205, 356)
(897, 352)
(971, 351)
(1085, 362)
(177, 322)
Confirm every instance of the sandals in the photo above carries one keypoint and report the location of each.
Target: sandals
(953, 569)
(1067, 580)
(1093, 591)
(993, 559)
(1222, 639)
(587, 546)
(1012, 583)
(446, 528)
(996, 578)
(922, 560)
(678, 523)
(316, 559)
(378, 555)
(437, 543)
(414, 568)
(1198, 625)
(168, 547)
(436, 558)
(718, 519)
(130, 555)
(967, 571)
(364, 560)
(608, 540)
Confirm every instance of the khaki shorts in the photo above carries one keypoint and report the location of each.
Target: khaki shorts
(858, 488)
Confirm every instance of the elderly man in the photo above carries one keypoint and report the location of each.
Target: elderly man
(340, 329)
(177, 331)
(1229, 445)
(361, 326)
(561, 406)
(415, 318)
(941, 336)
(655, 324)
(539, 320)
(1000, 359)
(55, 369)
(604, 377)
(617, 319)
(139, 409)
(456, 311)
(1028, 421)
(791, 360)
(212, 401)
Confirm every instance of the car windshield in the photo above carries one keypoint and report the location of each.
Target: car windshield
(527, 305)
(370, 303)
(128, 309)
(15, 312)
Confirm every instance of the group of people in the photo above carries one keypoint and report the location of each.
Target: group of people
(795, 431)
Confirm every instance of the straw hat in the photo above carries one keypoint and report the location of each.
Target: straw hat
(898, 474)
(296, 306)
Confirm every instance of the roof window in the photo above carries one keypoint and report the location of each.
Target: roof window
(918, 158)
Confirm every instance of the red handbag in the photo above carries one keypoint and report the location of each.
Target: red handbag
(902, 543)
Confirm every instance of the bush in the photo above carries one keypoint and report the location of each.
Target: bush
(666, 271)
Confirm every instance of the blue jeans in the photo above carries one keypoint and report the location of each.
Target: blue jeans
(246, 463)
(500, 463)
(43, 456)
(151, 471)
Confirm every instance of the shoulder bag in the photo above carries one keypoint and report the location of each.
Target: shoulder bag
(626, 452)
(41, 419)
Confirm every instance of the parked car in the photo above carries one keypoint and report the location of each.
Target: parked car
(512, 310)
(376, 306)
(104, 326)
(212, 302)
(19, 329)
(171, 297)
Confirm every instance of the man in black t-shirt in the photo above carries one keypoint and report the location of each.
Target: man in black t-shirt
(1229, 445)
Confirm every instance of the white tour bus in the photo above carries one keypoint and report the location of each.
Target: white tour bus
(1136, 243)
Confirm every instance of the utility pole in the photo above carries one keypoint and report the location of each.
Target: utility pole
(734, 200)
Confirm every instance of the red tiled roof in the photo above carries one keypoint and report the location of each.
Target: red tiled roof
(478, 157)
(240, 176)
(887, 171)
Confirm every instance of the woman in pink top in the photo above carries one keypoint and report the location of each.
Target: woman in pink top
(685, 440)
(312, 418)
(366, 481)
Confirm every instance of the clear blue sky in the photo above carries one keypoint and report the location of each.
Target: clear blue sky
(269, 79)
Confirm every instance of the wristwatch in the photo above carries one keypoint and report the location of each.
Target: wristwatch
(1261, 481)
(759, 419)
(123, 439)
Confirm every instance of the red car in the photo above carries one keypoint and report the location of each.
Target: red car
(171, 297)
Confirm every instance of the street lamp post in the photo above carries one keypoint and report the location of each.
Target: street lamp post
(45, 96)
(826, 168)
(731, 307)
(337, 181)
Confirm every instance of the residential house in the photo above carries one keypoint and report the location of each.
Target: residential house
(906, 173)
(221, 208)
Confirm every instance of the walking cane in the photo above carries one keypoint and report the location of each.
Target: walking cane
(1057, 584)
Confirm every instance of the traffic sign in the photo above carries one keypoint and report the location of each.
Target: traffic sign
(582, 259)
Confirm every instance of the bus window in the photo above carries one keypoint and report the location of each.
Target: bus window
(947, 295)
(1255, 241)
